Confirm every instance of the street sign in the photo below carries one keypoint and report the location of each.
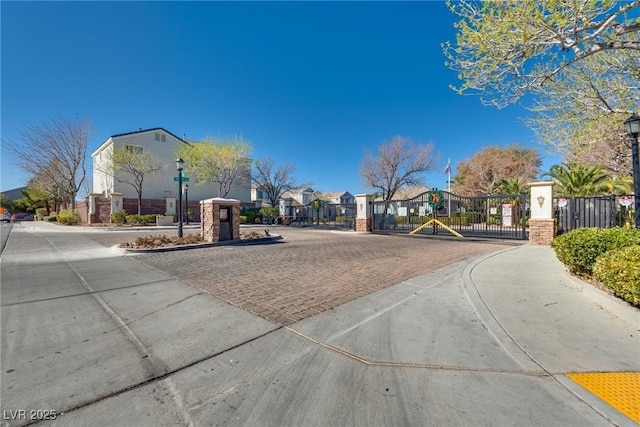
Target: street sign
(177, 178)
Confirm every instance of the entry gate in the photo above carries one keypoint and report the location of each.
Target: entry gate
(500, 217)
(325, 215)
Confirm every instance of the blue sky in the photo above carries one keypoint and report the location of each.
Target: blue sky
(308, 83)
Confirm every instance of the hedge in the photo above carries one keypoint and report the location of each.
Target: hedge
(580, 248)
(619, 270)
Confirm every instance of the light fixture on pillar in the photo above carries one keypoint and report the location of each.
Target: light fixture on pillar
(180, 167)
(632, 126)
(541, 200)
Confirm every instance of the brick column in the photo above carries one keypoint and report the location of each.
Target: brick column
(541, 223)
(210, 218)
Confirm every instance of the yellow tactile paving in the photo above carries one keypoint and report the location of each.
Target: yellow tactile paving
(619, 389)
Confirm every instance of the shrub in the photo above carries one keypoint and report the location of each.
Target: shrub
(243, 219)
(119, 216)
(50, 218)
(150, 219)
(40, 214)
(68, 217)
(619, 270)
(135, 219)
(580, 248)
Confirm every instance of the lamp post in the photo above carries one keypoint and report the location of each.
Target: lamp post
(179, 166)
(632, 126)
(186, 203)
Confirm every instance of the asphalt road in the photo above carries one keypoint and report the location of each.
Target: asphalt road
(91, 336)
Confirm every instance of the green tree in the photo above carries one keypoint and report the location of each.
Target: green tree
(398, 163)
(513, 186)
(504, 49)
(221, 161)
(132, 165)
(579, 59)
(577, 180)
(486, 171)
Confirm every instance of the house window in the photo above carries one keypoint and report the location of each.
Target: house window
(133, 149)
(157, 136)
(163, 138)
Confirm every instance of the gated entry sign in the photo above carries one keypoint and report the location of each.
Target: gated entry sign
(562, 202)
(626, 201)
(506, 214)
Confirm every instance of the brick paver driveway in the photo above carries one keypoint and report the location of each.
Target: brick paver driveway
(307, 272)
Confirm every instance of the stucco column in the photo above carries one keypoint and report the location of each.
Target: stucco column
(116, 202)
(541, 222)
(285, 211)
(169, 204)
(364, 221)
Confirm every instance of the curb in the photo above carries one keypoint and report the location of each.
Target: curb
(238, 242)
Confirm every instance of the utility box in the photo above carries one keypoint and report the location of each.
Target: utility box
(220, 219)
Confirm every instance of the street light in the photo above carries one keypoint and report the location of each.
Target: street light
(632, 126)
(186, 202)
(179, 166)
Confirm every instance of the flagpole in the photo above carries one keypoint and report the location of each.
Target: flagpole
(449, 189)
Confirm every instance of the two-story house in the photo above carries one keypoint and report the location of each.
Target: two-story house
(163, 145)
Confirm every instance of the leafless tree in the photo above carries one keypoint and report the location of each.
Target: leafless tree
(274, 181)
(54, 151)
(399, 163)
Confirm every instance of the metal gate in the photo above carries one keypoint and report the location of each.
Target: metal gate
(500, 217)
(593, 211)
(328, 215)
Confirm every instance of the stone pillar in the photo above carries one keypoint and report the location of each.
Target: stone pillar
(92, 216)
(214, 219)
(116, 202)
(285, 211)
(541, 222)
(364, 221)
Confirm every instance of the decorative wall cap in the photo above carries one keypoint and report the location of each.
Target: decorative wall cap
(541, 184)
(221, 201)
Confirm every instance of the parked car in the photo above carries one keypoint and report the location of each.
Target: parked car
(5, 214)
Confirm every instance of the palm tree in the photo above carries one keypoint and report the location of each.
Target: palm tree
(573, 179)
(513, 186)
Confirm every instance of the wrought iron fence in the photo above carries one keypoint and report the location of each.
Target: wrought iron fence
(328, 215)
(502, 216)
(593, 211)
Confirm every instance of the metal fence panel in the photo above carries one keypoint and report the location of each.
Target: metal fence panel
(593, 211)
(502, 216)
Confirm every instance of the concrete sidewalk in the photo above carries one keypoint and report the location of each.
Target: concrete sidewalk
(487, 341)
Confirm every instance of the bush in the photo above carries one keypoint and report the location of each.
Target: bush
(243, 219)
(118, 217)
(135, 219)
(619, 270)
(40, 214)
(50, 218)
(580, 248)
(68, 217)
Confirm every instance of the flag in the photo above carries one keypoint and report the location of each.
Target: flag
(447, 168)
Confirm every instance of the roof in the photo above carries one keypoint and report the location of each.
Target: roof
(139, 131)
(408, 193)
(335, 194)
(143, 131)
